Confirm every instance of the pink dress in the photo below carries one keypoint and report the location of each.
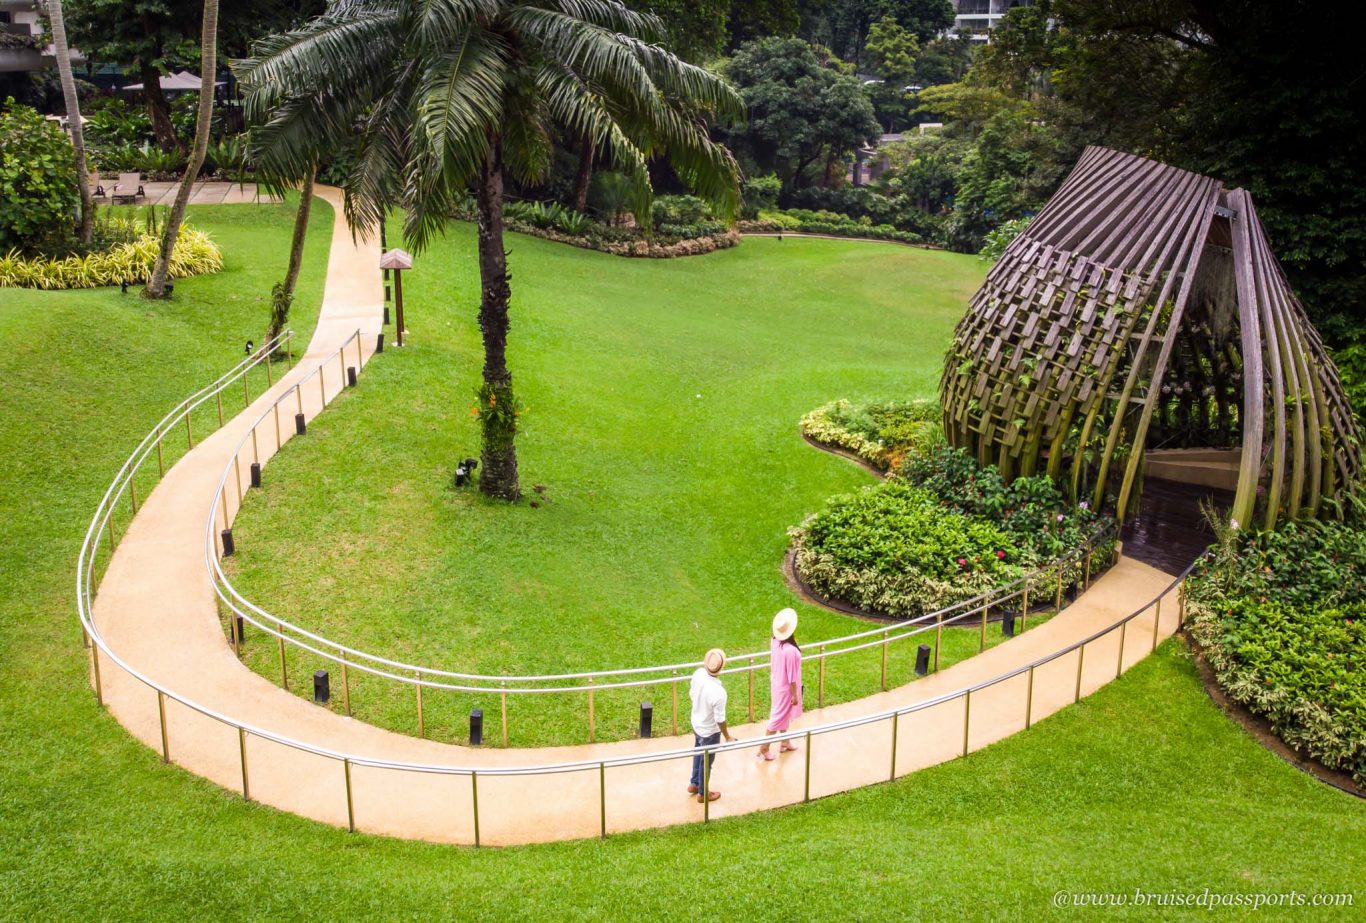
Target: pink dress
(785, 668)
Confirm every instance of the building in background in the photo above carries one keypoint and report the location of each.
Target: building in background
(22, 46)
(979, 17)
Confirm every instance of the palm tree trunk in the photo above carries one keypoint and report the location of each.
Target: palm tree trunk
(208, 62)
(158, 110)
(497, 405)
(585, 175)
(279, 315)
(57, 21)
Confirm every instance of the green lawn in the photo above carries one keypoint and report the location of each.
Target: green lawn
(1144, 784)
(662, 406)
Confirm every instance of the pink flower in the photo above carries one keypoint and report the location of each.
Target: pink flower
(1061, 517)
(1000, 555)
(962, 561)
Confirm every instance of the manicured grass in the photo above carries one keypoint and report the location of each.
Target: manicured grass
(1144, 784)
(663, 400)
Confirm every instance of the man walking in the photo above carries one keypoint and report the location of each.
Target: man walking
(708, 717)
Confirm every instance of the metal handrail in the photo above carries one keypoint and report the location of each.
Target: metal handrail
(98, 644)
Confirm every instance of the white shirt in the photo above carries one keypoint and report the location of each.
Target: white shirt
(708, 703)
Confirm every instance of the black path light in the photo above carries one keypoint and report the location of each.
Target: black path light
(397, 260)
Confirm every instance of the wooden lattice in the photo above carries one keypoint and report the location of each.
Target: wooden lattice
(1066, 351)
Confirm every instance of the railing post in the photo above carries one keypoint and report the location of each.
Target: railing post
(276, 408)
(246, 391)
(242, 748)
(218, 399)
(892, 775)
(820, 688)
(751, 692)
(161, 463)
(421, 722)
(322, 385)
(95, 663)
(189, 432)
(503, 708)
(806, 792)
(133, 491)
(109, 521)
(299, 396)
(346, 687)
(270, 378)
(938, 637)
(161, 713)
(982, 643)
(1024, 607)
(237, 476)
(1081, 658)
(232, 630)
(1057, 604)
(884, 661)
(592, 717)
(602, 798)
(673, 687)
(350, 803)
(1157, 620)
(255, 449)
(1119, 665)
(1029, 700)
(967, 719)
(1181, 607)
(1086, 584)
(280, 639)
(474, 795)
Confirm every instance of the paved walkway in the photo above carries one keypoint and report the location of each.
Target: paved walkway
(208, 192)
(157, 610)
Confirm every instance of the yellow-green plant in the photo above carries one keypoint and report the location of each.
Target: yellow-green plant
(195, 254)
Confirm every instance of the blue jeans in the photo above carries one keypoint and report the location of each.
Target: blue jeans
(697, 760)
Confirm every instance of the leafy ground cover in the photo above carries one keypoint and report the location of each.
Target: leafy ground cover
(1143, 785)
(881, 433)
(1282, 619)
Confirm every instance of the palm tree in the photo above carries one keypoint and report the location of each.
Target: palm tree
(282, 298)
(445, 93)
(208, 63)
(57, 21)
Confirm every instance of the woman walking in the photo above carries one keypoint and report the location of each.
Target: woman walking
(785, 680)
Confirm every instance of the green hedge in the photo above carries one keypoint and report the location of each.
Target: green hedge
(882, 433)
(1281, 618)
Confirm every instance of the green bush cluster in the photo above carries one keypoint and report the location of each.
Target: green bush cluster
(894, 549)
(39, 200)
(882, 433)
(827, 222)
(1281, 617)
(194, 254)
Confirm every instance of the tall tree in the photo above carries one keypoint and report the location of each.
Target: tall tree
(464, 91)
(57, 20)
(802, 112)
(891, 54)
(208, 63)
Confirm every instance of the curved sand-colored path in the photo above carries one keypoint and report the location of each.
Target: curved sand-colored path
(156, 609)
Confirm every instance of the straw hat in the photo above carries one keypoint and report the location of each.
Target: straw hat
(785, 624)
(714, 661)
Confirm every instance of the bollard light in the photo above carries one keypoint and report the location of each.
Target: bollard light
(386, 312)
(350, 376)
(170, 289)
(300, 424)
(464, 472)
(255, 474)
(379, 343)
(322, 687)
(228, 546)
(476, 727)
(241, 626)
(1008, 624)
(123, 286)
(922, 660)
(647, 719)
(250, 348)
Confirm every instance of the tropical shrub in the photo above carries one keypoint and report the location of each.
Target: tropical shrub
(678, 210)
(894, 549)
(131, 262)
(1281, 618)
(825, 222)
(758, 194)
(882, 433)
(38, 195)
(1001, 236)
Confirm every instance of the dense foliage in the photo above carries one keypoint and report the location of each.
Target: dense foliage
(129, 261)
(882, 433)
(1280, 617)
(38, 197)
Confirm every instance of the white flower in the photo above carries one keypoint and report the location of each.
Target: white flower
(1233, 524)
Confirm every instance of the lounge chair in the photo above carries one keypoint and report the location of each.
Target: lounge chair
(99, 192)
(127, 189)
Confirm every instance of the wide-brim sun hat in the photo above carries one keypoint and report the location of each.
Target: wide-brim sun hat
(785, 624)
(715, 660)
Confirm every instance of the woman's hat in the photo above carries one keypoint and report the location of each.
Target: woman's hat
(785, 624)
(714, 661)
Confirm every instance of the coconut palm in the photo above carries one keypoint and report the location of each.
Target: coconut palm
(57, 21)
(208, 63)
(447, 93)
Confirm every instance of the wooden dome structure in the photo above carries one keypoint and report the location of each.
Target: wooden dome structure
(1141, 310)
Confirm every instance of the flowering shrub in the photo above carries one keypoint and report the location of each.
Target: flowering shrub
(881, 433)
(1279, 616)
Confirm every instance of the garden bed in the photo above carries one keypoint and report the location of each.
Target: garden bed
(938, 532)
(1281, 619)
(128, 258)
